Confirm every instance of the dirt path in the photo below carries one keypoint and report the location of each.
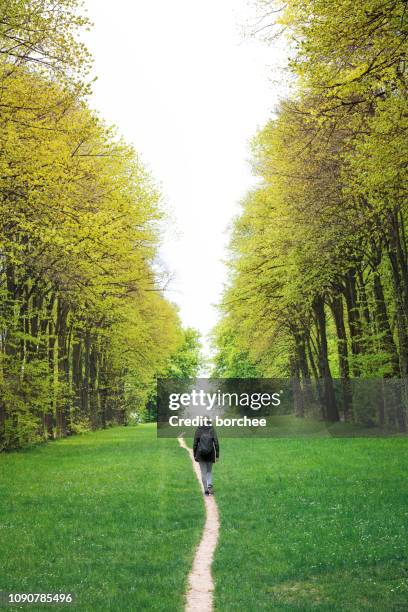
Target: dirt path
(200, 580)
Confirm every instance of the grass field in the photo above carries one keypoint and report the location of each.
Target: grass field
(318, 524)
(113, 517)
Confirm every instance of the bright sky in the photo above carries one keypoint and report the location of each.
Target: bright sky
(189, 91)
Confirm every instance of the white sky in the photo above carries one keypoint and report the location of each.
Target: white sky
(189, 91)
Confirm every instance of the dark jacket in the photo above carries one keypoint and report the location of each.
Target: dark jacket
(216, 447)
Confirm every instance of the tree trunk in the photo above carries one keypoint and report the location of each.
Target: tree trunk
(324, 368)
(353, 314)
(93, 384)
(336, 306)
(77, 376)
(301, 357)
(397, 258)
(383, 325)
(62, 407)
(296, 388)
(85, 383)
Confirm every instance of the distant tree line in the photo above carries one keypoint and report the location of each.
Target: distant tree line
(318, 256)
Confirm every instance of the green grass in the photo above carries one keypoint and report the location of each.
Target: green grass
(312, 524)
(113, 517)
(289, 426)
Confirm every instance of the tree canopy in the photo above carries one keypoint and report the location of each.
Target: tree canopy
(318, 256)
(85, 326)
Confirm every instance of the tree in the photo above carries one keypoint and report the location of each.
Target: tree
(318, 263)
(85, 327)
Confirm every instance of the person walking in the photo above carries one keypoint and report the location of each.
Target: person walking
(206, 450)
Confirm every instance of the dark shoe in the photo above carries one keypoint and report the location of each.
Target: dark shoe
(210, 489)
(206, 492)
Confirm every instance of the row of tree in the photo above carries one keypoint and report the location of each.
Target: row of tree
(84, 325)
(318, 256)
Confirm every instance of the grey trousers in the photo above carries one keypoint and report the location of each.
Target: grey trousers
(206, 473)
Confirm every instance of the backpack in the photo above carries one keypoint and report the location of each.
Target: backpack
(205, 446)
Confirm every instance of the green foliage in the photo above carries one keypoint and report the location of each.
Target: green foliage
(84, 323)
(187, 360)
(318, 256)
(229, 360)
(183, 363)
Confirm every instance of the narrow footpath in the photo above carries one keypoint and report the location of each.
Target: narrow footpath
(200, 581)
